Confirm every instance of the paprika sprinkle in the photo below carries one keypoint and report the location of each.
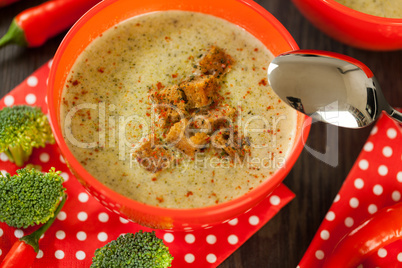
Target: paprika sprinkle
(23, 252)
(36, 25)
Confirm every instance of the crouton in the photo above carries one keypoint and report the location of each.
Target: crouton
(200, 139)
(222, 140)
(172, 103)
(152, 156)
(216, 62)
(200, 91)
(178, 138)
(215, 118)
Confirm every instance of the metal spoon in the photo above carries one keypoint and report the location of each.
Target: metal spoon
(329, 87)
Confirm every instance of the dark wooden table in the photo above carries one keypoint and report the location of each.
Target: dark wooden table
(282, 242)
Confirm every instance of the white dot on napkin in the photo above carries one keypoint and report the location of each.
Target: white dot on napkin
(382, 170)
(368, 147)
(319, 254)
(382, 253)
(233, 239)
(211, 239)
(324, 235)
(391, 133)
(377, 189)
(103, 217)
(189, 238)
(253, 220)
(235, 221)
(8, 100)
(372, 209)
(330, 216)
(211, 258)
(374, 130)
(59, 254)
(354, 202)
(189, 258)
(3, 157)
(363, 164)
(18, 233)
(387, 151)
(61, 216)
(40, 254)
(80, 255)
(44, 157)
(399, 257)
(60, 235)
(65, 176)
(359, 183)
(399, 176)
(30, 98)
(1, 232)
(123, 220)
(81, 236)
(102, 236)
(32, 81)
(349, 222)
(83, 197)
(274, 200)
(396, 196)
(168, 237)
(82, 216)
(337, 198)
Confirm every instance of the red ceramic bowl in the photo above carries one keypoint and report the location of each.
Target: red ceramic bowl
(245, 13)
(352, 27)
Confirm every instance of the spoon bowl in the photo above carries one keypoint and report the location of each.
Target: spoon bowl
(329, 87)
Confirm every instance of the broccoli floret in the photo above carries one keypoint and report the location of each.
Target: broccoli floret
(140, 250)
(23, 128)
(30, 197)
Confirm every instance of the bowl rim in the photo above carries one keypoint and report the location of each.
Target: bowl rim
(186, 213)
(360, 15)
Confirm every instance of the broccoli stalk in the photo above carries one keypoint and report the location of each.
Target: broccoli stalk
(142, 249)
(30, 197)
(23, 128)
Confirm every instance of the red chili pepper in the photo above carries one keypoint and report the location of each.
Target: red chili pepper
(36, 25)
(23, 253)
(4, 3)
(382, 229)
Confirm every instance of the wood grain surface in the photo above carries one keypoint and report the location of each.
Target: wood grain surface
(282, 242)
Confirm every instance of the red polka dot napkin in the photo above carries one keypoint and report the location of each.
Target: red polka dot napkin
(84, 224)
(374, 182)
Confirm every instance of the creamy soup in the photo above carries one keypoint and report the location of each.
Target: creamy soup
(114, 127)
(381, 8)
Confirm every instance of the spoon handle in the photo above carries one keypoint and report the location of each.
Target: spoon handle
(396, 115)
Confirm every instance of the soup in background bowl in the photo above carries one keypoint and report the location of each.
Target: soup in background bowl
(380, 8)
(162, 48)
(353, 27)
